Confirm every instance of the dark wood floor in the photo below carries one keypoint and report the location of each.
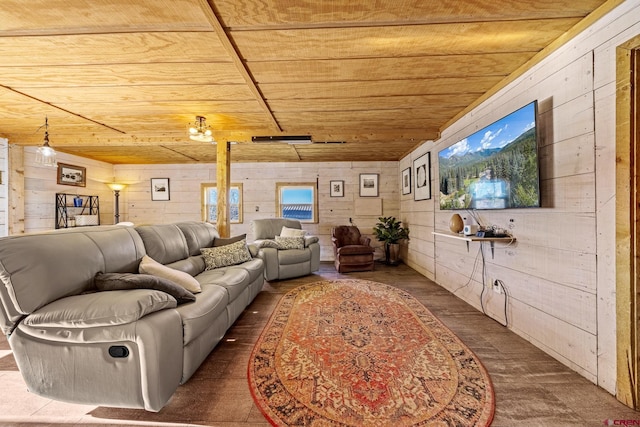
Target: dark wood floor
(531, 388)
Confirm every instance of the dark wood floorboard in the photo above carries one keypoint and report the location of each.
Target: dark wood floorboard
(532, 389)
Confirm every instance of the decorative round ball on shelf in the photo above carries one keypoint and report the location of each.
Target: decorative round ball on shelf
(456, 224)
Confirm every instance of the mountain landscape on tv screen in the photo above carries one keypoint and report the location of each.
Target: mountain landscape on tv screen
(513, 166)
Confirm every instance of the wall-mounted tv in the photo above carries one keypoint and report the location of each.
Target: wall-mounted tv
(494, 168)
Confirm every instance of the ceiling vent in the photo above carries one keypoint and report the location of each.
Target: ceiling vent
(288, 139)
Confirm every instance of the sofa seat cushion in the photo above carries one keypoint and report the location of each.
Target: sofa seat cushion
(100, 309)
(293, 256)
(355, 250)
(234, 280)
(255, 268)
(198, 316)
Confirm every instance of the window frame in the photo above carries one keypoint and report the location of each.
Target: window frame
(205, 186)
(314, 188)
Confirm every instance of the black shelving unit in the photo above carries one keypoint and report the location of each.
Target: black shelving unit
(67, 210)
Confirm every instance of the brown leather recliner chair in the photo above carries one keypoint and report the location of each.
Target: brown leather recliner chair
(353, 252)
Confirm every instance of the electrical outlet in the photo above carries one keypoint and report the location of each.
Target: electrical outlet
(496, 287)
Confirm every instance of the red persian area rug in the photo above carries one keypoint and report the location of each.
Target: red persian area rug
(361, 353)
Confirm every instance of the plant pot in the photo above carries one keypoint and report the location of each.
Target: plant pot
(392, 251)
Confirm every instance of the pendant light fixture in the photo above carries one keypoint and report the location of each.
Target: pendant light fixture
(200, 131)
(45, 155)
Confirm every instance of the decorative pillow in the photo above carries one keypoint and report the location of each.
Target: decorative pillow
(150, 266)
(223, 256)
(292, 232)
(219, 241)
(267, 244)
(285, 243)
(121, 281)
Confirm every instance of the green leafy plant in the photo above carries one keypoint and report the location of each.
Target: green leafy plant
(390, 230)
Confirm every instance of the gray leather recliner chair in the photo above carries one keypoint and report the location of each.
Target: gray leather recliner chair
(284, 263)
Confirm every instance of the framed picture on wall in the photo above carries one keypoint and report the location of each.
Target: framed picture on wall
(72, 175)
(406, 181)
(369, 184)
(422, 172)
(337, 189)
(160, 189)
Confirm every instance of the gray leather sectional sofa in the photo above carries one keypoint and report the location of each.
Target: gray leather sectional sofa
(121, 348)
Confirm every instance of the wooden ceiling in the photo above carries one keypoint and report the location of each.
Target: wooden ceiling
(120, 80)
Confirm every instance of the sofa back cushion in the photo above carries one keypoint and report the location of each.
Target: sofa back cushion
(164, 243)
(198, 235)
(36, 269)
(269, 228)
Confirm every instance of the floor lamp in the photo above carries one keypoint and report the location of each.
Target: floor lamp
(116, 187)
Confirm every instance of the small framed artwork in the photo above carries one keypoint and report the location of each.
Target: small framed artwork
(369, 184)
(160, 189)
(72, 175)
(406, 181)
(337, 189)
(422, 171)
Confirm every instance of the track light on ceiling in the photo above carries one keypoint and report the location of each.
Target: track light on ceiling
(45, 155)
(200, 131)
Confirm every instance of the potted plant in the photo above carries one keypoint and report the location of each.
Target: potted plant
(390, 231)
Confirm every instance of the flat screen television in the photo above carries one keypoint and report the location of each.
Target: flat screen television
(494, 168)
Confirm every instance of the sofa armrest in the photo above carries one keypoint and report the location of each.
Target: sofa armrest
(253, 249)
(364, 240)
(308, 240)
(271, 265)
(100, 309)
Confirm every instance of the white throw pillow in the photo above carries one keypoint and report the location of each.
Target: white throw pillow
(292, 232)
(150, 266)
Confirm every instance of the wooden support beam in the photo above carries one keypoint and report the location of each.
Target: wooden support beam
(627, 216)
(223, 183)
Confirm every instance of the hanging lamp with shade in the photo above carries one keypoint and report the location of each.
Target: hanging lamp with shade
(45, 155)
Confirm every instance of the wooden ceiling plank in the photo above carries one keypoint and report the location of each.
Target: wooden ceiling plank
(116, 75)
(315, 92)
(400, 102)
(408, 41)
(364, 69)
(104, 49)
(188, 108)
(250, 14)
(123, 95)
(50, 17)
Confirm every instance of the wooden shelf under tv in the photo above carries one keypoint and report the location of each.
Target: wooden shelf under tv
(468, 239)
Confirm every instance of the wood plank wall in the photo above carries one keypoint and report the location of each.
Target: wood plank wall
(560, 274)
(259, 194)
(36, 191)
(258, 180)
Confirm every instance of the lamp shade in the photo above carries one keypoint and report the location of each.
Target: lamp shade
(116, 186)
